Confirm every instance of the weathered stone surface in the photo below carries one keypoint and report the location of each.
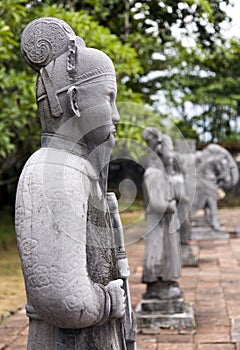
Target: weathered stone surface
(162, 242)
(63, 224)
(162, 304)
(155, 320)
(202, 233)
(215, 170)
(188, 259)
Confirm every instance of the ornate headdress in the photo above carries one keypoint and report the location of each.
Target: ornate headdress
(50, 46)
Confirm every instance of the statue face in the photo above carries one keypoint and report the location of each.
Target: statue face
(167, 155)
(155, 142)
(98, 112)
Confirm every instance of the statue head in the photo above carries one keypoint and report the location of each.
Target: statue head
(153, 137)
(76, 85)
(166, 152)
(218, 159)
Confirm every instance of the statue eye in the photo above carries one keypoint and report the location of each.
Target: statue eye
(111, 96)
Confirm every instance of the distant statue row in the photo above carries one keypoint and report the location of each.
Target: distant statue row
(174, 186)
(68, 228)
(213, 170)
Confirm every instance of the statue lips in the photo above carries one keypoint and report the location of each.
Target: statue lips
(112, 134)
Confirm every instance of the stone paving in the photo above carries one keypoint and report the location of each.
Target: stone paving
(213, 288)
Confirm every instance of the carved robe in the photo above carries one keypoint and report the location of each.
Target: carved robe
(162, 245)
(67, 254)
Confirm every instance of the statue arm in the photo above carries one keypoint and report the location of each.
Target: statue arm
(54, 256)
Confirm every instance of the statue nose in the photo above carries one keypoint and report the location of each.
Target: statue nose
(115, 114)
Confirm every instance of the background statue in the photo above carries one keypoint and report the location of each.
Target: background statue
(75, 298)
(162, 260)
(216, 169)
(185, 184)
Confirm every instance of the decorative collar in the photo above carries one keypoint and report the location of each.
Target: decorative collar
(57, 141)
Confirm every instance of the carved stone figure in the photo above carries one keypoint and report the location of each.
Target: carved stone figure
(186, 181)
(162, 261)
(216, 169)
(162, 306)
(75, 298)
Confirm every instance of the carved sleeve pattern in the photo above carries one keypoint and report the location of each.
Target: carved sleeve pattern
(51, 216)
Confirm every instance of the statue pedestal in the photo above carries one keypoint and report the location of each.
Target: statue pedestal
(201, 233)
(188, 259)
(155, 314)
(202, 230)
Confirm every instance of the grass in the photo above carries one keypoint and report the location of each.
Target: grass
(7, 230)
(133, 213)
(130, 217)
(231, 200)
(12, 293)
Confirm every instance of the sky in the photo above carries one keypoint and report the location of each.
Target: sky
(234, 12)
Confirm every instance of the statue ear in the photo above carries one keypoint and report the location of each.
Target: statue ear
(72, 95)
(146, 134)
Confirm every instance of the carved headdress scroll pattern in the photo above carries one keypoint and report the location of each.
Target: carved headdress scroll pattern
(51, 48)
(43, 40)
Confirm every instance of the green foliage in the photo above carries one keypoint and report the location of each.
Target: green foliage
(186, 128)
(210, 82)
(124, 56)
(135, 117)
(147, 27)
(7, 231)
(12, 81)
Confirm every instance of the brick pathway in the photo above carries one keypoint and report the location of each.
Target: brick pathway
(213, 287)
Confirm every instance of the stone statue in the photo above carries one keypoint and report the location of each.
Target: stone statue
(162, 306)
(216, 169)
(162, 261)
(185, 179)
(75, 298)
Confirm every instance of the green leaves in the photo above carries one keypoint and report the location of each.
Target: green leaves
(210, 82)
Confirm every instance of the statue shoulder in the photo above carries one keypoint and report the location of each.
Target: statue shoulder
(58, 167)
(151, 171)
(60, 158)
